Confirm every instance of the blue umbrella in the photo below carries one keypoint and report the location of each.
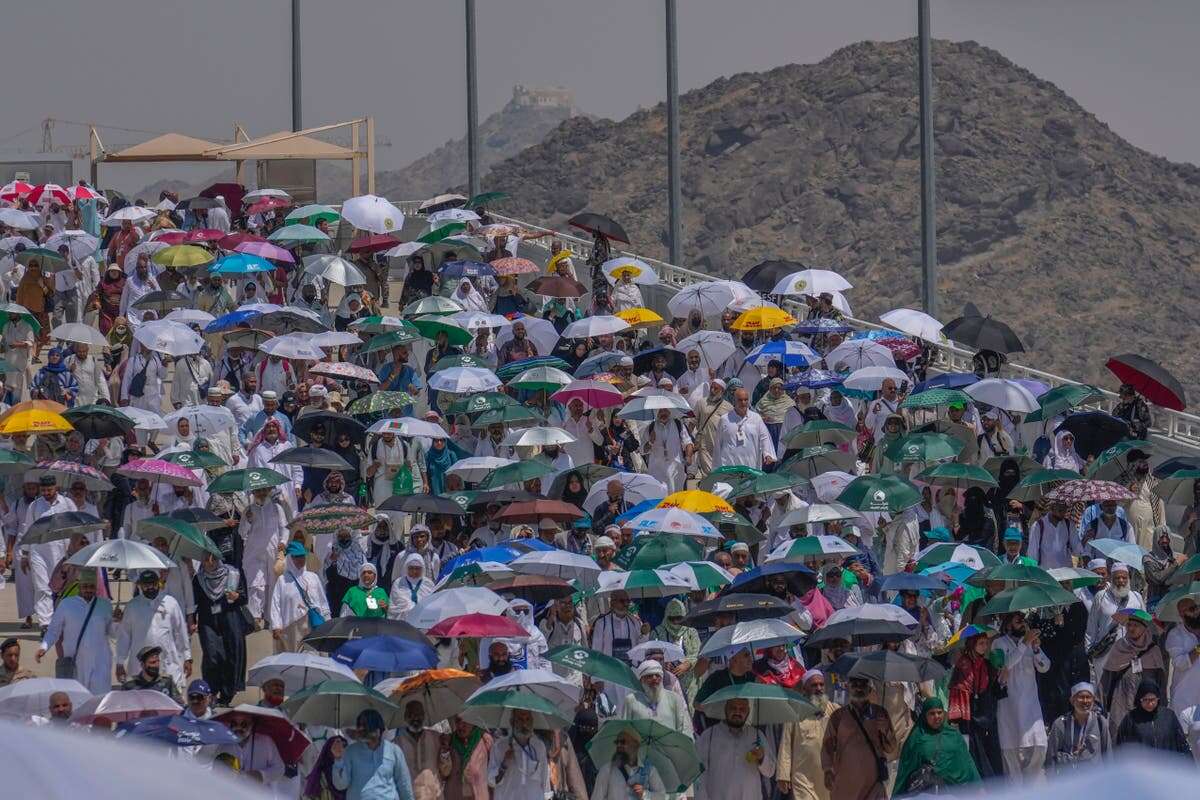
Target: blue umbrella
(601, 362)
(386, 654)
(242, 264)
(230, 321)
(178, 731)
(955, 571)
(816, 326)
(523, 546)
(911, 582)
(814, 379)
(1120, 550)
(879, 334)
(947, 380)
(792, 354)
(467, 269)
(639, 509)
(497, 554)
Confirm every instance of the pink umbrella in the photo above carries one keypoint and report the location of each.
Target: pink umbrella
(596, 394)
(92, 478)
(266, 250)
(904, 349)
(172, 237)
(340, 369)
(48, 192)
(268, 204)
(124, 705)
(153, 469)
(513, 266)
(203, 236)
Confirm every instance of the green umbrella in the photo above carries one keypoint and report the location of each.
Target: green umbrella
(313, 213)
(880, 493)
(767, 484)
(960, 476)
(515, 368)
(769, 705)
(515, 473)
(386, 341)
(10, 312)
(708, 576)
(931, 398)
(813, 461)
(381, 324)
(478, 403)
(14, 462)
(510, 415)
(485, 199)
(596, 664)
(924, 447)
(819, 431)
(183, 538)
(300, 234)
(589, 475)
(438, 234)
(195, 459)
(1074, 577)
(1013, 575)
(1167, 609)
(734, 526)
(379, 404)
(433, 304)
(549, 378)
(653, 551)
(337, 704)
(969, 554)
(1062, 398)
(671, 753)
(731, 474)
(1108, 465)
(1178, 488)
(245, 480)
(430, 326)
(463, 360)
(1027, 598)
(1038, 483)
(99, 422)
(493, 709)
(41, 254)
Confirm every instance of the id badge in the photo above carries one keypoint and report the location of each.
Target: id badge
(372, 603)
(1136, 666)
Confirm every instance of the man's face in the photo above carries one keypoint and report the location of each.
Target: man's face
(270, 406)
(1109, 508)
(273, 692)
(241, 726)
(736, 712)
(888, 388)
(741, 558)
(741, 662)
(519, 331)
(693, 360)
(522, 722)
(815, 687)
(152, 665)
(198, 703)
(1017, 625)
(620, 603)
(87, 590)
(652, 682)
(956, 413)
(604, 555)
(616, 491)
(250, 383)
(1012, 547)
(1120, 579)
(498, 653)
(859, 688)
(414, 715)
(49, 492)
(1189, 611)
(741, 402)
(60, 706)
(11, 657)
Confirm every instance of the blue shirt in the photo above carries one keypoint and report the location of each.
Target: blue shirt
(406, 380)
(255, 424)
(366, 774)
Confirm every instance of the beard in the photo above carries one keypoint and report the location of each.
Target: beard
(1121, 592)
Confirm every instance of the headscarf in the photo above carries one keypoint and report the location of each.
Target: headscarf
(1129, 647)
(973, 517)
(1158, 729)
(944, 749)
(214, 582)
(350, 559)
(772, 409)
(320, 780)
(1063, 457)
(674, 608)
(817, 606)
(261, 436)
(414, 590)
(472, 299)
(365, 567)
(844, 414)
(438, 462)
(120, 340)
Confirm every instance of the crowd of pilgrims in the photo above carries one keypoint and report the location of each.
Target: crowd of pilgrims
(1018, 695)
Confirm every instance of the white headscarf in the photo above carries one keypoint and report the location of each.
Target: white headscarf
(472, 300)
(1062, 456)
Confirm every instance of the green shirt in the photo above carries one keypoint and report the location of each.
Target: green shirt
(360, 601)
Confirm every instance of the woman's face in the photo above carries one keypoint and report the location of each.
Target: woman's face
(935, 718)
(574, 484)
(1149, 702)
(343, 440)
(184, 428)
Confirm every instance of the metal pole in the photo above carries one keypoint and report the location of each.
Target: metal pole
(472, 104)
(929, 289)
(675, 197)
(297, 125)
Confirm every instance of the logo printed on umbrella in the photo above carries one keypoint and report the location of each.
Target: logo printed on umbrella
(913, 449)
(578, 656)
(388, 223)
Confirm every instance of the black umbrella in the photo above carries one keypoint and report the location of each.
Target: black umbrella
(502, 496)
(537, 589)
(64, 525)
(160, 301)
(887, 666)
(762, 277)
(1149, 380)
(599, 223)
(1094, 431)
(99, 421)
(868, 629)
(194, 203)
(676, 361)
(589, 474)
(334, 424)
(800, 579)
(1172, 465)
(423, 504)
(983, 333)
(317, 457)
(285, 321)
(742, 606)
(336, 632)
(202, 518)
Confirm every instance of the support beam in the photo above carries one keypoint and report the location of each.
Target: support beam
(929, 276)
(370, 155)
(472, 103)
(354, 170)
(675, 195)
(297, 117)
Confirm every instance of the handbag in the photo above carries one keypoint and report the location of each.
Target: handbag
(137, 385)
(315, 618)
(924, 781)
(64, 667)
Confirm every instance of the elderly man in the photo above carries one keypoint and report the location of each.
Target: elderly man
(881, 408)
(662, 706)
(735, 757)
(263, 528)
(137, 286)
(859, 742)
(1118, 596)
(742, 437)
(586, 430)
(617, 631)
(41, 559)
(612, 507)
(270, 410)
(82, 624)
(153, 619)
(517, 765)
(89, 372)
(799, 771)
(60, 708)
(708, 411)
(257, 754)
(668, 449)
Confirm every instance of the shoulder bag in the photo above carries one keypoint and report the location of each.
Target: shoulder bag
(64, 667)
(315, 618)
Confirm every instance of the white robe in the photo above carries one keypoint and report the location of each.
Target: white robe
(135, 512)
(13, 524)
(156, 372)
(43, 558)
(261, 455)
(287, 604)
(160, 623)
(1100, 615)
(400, 599)
(93, 659)
(1019, 716)
(263, 528)
(244, 408)
(612, 785)
(135, 289)
(903, 539)
(191, 372)
(1053, 545)
(89, 373)
(1180, 644)
(17, 379)
(727, 774)
(386, 456)
(527, 778)
(582, 450)
(664, 454)
(742, 440)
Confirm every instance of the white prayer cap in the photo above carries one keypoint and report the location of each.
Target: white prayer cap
(1096, 563)
(812, 674)
(740, 547)
(626, 361)
(317, 391)
(1119, 567)
(604, 541)
(649, 667)
(1083, 686)
(270, 395)
(31, 476)
(665, 382)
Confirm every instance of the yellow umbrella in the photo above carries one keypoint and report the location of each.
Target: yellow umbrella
(639, 316)
(561, 255)
(763, 318)
(32, 405)
(182, 255)
(35, 420)
(696, 501)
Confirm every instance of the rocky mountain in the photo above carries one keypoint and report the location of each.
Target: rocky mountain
(1047, 219)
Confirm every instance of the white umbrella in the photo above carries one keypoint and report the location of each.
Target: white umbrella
(646, 276)
(463, 215)
(31, 697)
(828, 485)
(122, 705)
(9, 243)
(299, 671)
(80, 244)
(190, 316)
(464, 380)
(120, 554)
(638, 487)
(166, 204)
(536, 437)
(463, 600)
(371, 213)
(80, 333)
(205, 420)
(134, 214)
(842, 304)
(811, 282)
(594, 326)
(646, 407)
(149, 247)
(715, 347)
(811, 547)
(539, 331)
(544, 683)
(332, 339)
(858, 353)
(292, 346)
(172, 338)
(710, 298)
(409, 426)
(752, 634)
(476, 468)
(557, 564)
(914, 323)
(405, 250)
(673, 520)
(21, 220)
(1004, 394)
(671, 651)
(817, 512)
(334, 269)
(872, 378)
(145, 420)
(742, 304)
(258, 194)
(475, 320)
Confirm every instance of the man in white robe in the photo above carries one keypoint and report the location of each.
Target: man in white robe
(1117, 596)
(43, 558)
(902, 540)
(89, 645)
(263, 529)
(19, 342)
(225, 445)
(1022, 733)
(154, 619)
(656, 702)
(422, 748)
(191, 373)
(696, 374)
(89, 372)
(295, 594)
(735, 757)
(14, 528)
(137, 286)
(517, 764)
(879, 409)
(245, 403)
(218, 215)
(149, 363)
(141, 507)
(257, 754)
(742, 437)
(586, 430)
(668, 449)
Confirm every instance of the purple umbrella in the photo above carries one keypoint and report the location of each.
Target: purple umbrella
(266, 250)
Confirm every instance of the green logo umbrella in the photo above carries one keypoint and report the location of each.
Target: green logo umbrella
(924, 447)
(651, 552)
(931, 398)
(509, 415)
(478, 403)
(960, 476)
(819, 431)
(1027, 598)
(880, 493)
(515, 473)
(732, 474)
(818, 459)
(734, 525)
(1167, 609)
(245, 480)
(671, 753)
(767, 484)
(386, 341)
(1063, 398)
(1013, 575)
(377, 405)
(183, 538)
(437, 234)
(1036, 484)
(1110, 466)
(596, 664)
(464, 360)
(430, 326)
(195, 459)
(493, 709)
(769, 705)
(337, 704)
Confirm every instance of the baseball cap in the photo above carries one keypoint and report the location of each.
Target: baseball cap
(199, 686)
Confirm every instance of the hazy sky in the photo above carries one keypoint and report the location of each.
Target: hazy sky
(196, 67)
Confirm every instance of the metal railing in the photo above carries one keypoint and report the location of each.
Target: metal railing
(1177, 427)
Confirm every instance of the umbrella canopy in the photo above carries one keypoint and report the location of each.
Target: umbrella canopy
(858, 353)
(184, 540)
(762, 318)
(386, 654)
(337, 704)
(672, 754)
(493, 709)
(443, 692)
(769, 705)
(463, 600)
(811, 282)
(34, 420)
(1094, 431)
(764, 276)
(593, 394)
(1179, 488)
(654, 551)
(179, 731)
(536, 510)
(1013, 575)
(317, 457)
(78, 332)
(371, 213)
(339, 630)
(886, 666)
(1149, 379)
(817, 512)
(517, 473)
(478, 626)
(1110, 465)
(464, 380)
(334, 269)
(599, 224)
(557, 286)
(942, 552)
(64, 525)
(1063, 398)
(121, 554)
(1089, 491)
(598, 325)
(171, 338)
(791, 353)
(1003, 394)
(320, 520)
(960, 476)
(673, 520)
(157, 470)
(1167, 609)
(868, 624)
(335, 424)
(880, 493)
(983, 333)
(123, 705)
(1120, 550)
(811, 547)
(31, 697)
(595, 664)
(703, 574)
(537, 589)
(643, 583)
(924, 447)
(751, 635)
(1038, 483)
(915, 323)
(312, 213)
(246, 480)
(297, 234)
(1027, 598)
(205, 420)
(931, 398)
(696, 501)
(912, 582)
(298, 671)
(799, 578)
(745, 606)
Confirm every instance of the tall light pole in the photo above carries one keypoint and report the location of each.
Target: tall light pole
(929, 291)
(675, 197)
(297, 124)
(472, 104)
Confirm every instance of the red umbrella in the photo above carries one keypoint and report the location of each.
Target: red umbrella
(903, 349)
(231, 241)
(172, 237)
(84, 192)
(49, 191)
(1149, 380)
(14, 190)
(232, 192)
(268, 204)
(535, 510)
(203, 236)
(275, 724)
(476, 625)
(373, 243)
(514, 266)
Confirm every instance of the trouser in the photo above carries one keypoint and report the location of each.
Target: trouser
(1025, 764)
(18, 381)
(43, 603)
(66, 306)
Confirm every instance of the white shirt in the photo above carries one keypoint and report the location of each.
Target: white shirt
(582, 450)
(727, 774)
(92, 383)
(1019, 716)
(160, 623)
(244, 408)
(742, 440)
(1100, 615)
(287, 604)
(528, 775)
(1052, 545)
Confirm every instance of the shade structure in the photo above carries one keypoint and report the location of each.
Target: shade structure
(167, 147)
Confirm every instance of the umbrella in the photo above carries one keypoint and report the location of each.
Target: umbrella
(595, 664)
(317, 457)
(710, 298)
(298, 234)
(598, 325)
(120, 554)
(557, 286)
(422, 504)
(642, 583)
(21, 220)
(442, 692)
(478, 626)
(299, 348)
(1109, 465)
(193, 459)
(537, 437)
(1027, 598)
(791, 353)
(872, 378)
(1074, 577)
(931, 398)
(541, 683)
(242, 264)
(153, 469)
(764, 276)
(1089, 491)
(638, 488)
(671, 753)
(818, 433)
(757, 581)
(744, 606)
(64, 525)
(339, 630)
(13, 462)
(182, 256)
(638, 271)
(514, 266)
(811, 282)
(161, 302)
(983, 333)
(386, 654)
(246, 480)
(1167, 609)
(179, 731)
(464, 380)
(858, 353)
(1003, 394)
(1012, 575)
(599, 224)
(759, 485)
(924, 447)
(887, 666)
(463, 600)
(266, 250)
(752, 635)
(312, 213)
(1036, 484)
(475, 321)
(334, 425)
(476, 468)
(334, 269)
(868, 624)
(762, 318)
(880, 493)
(960, 476)
(319, 520)
(80, 244)
(535, 510)
(541, 378)
(205, 420)
(646, 407)
(493, 709)
(769, 705)
(811, 547)
(184, 540)
(516, 473)
(1148, 379)
(537, 589)
(122, 705)
(703, 574)
(171, 338)
(593, 394)
(911, 582)
(915, 323)
(1178, 488)
(371, 213)
(817, 512)
(1120, 550)
(673, 520)
(655, 551)
(31, 697)
(695, 500)
(1063, 398)
(942, 552)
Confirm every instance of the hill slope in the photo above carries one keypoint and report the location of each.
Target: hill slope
(1087, 245)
